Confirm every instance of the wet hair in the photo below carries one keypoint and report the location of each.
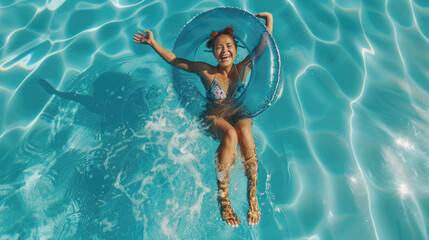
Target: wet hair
(229, 31)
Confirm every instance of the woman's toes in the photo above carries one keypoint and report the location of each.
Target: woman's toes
(230, 222)
(253, 218)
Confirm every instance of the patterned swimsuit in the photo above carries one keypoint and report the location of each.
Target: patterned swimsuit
(215, 92)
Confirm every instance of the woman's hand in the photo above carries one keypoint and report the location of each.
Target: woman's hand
(264, 15)
(144, 38)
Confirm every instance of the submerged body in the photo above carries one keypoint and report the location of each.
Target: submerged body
(223, 83)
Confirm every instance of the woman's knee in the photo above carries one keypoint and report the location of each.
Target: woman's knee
(244, 130)
(230, 137)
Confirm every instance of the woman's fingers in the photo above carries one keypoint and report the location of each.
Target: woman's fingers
(148, 33)
(263, 14)
(141, 37)
(137, 38)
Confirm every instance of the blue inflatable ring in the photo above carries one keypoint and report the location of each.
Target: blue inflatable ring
(263, 84)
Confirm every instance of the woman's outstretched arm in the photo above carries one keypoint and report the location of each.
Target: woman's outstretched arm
(168, 56)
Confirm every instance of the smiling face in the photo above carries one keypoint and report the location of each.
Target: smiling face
(225, 50)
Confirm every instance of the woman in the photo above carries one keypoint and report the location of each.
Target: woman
(222, 83)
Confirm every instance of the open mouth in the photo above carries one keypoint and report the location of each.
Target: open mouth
(225, 57)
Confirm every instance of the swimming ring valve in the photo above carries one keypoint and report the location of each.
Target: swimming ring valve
(263, 84)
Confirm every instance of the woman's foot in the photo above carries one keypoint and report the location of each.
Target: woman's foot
(226, 210)
(253, 215)
(228, 213)
(251, 168)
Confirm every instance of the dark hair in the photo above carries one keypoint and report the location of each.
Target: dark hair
(214, 35)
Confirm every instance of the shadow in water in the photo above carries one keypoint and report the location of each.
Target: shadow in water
(115, 98)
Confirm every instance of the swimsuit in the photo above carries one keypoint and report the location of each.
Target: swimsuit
(215, 92)
(239, 89)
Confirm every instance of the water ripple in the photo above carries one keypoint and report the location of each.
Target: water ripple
(344, 145)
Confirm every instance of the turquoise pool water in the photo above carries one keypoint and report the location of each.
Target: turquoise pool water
(343, 152)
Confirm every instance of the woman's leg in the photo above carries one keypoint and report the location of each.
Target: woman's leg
(226, 154)
(248, 151)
